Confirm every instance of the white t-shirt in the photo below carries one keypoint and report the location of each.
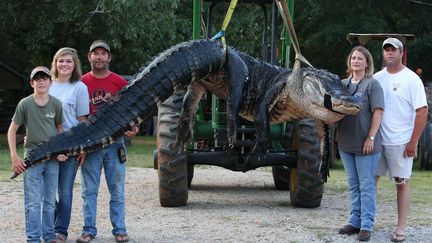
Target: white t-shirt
(74, 98)
(403, 94)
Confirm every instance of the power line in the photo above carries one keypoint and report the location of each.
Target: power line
(420, 2)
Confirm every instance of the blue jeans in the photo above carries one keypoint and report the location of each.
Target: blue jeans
(115, 172)
(360, 172)
(40, 188)
(67, 173)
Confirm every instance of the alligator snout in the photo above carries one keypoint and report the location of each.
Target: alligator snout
(348, 105)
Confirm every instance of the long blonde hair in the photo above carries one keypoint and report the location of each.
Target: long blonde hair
(369, 60)
(76, 73)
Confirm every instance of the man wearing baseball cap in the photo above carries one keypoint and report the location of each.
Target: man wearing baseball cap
(401, 127)
(42, 116)
(99, 44)
(103, 85)
(396, 43)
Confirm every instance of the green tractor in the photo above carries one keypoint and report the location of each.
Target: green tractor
(294, 151)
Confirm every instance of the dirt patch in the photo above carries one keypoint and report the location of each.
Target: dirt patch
(223, 206)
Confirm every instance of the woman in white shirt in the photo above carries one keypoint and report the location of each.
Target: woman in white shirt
(66, 74)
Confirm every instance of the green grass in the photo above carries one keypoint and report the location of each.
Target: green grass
(419, 184)
(5, 161)
(140, 152)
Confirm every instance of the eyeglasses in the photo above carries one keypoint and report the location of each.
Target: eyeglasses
(41, 79)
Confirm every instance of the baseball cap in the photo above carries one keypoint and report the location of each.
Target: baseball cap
(40, 69)
(393, 42)
(101, 44)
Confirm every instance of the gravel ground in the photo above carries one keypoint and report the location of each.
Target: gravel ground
(223, 206)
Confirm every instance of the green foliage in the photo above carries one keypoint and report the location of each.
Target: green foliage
(245, 30)
(33, 30)
(322, 27)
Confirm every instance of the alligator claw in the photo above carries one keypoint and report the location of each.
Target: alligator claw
(232, 141)
(260, 149)
(183, 138)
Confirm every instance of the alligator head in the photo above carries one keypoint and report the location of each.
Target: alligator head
(322, 94)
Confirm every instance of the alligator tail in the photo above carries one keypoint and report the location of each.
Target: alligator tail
(169, 71)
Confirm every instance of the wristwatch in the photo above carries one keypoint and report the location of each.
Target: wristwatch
(372, 138)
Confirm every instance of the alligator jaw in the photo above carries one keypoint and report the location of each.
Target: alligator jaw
(344, 107)
(339, 106)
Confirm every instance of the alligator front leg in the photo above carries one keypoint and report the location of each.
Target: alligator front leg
(237, 76)
(187, 117)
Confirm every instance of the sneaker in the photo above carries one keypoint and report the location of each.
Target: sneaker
(85, 238)
(364, 235)
(348, 230)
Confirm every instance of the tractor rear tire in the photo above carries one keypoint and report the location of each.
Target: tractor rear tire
(190, 174)
(425, 148)
(281, 177)
(428, 91)
(306, 184)
(281, 173)
(172, 163)
(425, 143)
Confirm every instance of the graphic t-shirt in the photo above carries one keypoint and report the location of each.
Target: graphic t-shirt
(40, 121)
(101, 90)
(403, 94)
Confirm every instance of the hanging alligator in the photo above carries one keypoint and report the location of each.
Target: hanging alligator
(256, 90)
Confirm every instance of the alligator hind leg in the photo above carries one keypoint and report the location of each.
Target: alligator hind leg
(262, 118)
(237, 76)
(187, 117)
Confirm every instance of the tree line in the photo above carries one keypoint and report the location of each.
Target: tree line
(32, 31)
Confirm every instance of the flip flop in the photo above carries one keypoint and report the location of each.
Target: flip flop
(121, 237)
(85, 238)
(398, 237)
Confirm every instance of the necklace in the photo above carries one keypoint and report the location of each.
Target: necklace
(355, 84)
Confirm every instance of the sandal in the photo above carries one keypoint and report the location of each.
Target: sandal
(398, 237)
(121, 237)
(85, 238)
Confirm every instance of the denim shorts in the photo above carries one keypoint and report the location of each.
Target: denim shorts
(393, 162)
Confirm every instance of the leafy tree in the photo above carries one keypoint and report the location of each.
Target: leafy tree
(245, 30)
(323, 25)
(33, 30)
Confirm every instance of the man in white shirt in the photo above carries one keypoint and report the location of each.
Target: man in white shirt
(402, 125)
